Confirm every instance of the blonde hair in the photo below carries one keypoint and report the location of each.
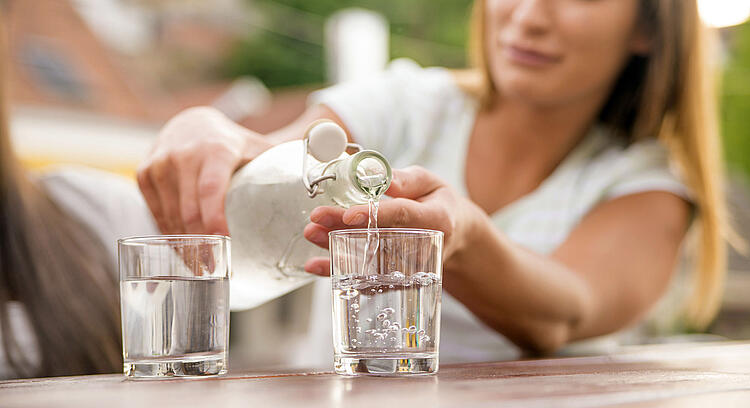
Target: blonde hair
(670, 94)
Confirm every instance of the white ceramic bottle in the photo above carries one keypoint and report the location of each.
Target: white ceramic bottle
(269, 203)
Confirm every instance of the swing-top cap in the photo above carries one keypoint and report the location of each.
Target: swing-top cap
(326, 140)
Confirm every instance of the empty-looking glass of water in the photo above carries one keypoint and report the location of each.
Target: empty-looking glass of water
(386, 300)
(174, 299)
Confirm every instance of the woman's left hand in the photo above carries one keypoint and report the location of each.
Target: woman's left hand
(420, 200)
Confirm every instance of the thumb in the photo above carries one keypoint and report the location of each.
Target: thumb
(413, 182)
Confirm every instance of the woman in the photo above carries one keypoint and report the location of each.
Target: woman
(59, 310)
(565, 168)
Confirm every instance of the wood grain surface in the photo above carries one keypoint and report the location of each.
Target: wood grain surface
(686, 375)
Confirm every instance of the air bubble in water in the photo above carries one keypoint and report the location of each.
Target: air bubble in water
(386, 323)
(425, 278)
(420, 333)
(397, 275)
(388, 310)
(381, 316)
(349, 294)
(422, 278)
(368, 320)
(371, 331)
(355, 307)
(412, 329)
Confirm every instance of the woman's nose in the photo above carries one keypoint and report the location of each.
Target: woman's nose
(533, 16)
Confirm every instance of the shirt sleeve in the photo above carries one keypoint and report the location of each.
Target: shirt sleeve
(646, 166)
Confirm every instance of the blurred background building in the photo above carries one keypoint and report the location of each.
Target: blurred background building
(93, 80)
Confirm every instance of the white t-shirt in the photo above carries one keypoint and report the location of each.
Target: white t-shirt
(419, 116)
(109, 205)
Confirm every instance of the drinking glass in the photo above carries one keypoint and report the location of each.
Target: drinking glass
(174, 299)
(386, 300)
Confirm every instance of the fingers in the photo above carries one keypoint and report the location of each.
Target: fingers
(317, 234)
(318, 266)
(151, 196)
(175, 189)
(396, 213)
(164, 181)
(213, 183)
(413, 182)
(190, 213)
(329, 217)
(186, 175)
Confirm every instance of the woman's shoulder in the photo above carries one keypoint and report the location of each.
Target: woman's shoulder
(109, 204)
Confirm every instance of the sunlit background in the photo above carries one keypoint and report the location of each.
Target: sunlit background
(724, 13)
(93, 80)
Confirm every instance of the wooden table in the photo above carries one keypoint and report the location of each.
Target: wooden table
(691, 375)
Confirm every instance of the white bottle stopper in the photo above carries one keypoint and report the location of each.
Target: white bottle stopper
(325, 140)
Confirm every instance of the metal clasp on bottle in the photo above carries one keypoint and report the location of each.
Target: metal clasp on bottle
(313, 186)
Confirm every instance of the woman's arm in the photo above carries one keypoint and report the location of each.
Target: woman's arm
(609, 271)
(606, 275)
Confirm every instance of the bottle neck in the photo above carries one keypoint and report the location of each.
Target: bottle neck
(361, 177)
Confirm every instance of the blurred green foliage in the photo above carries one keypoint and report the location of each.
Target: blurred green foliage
(284, 44)
(735, 100)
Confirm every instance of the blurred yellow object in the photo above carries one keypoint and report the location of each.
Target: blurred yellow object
(44, 137)
(38, 163)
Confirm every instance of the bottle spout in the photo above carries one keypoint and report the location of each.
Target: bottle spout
(371, 173)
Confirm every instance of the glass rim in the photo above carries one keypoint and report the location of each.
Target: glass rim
(170, 238)
(421, 232)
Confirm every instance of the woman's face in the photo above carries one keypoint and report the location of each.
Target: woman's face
(552, 52)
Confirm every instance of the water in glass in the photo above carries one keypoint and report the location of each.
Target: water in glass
(175, 326)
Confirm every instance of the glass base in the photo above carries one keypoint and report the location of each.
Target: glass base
(386, 365)
(175, 368)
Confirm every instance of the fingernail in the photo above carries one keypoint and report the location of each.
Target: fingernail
(357, 219)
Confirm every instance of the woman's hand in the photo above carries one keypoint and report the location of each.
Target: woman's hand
(186, 176)
(420, 200)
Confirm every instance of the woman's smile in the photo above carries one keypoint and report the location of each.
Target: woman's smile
(529, 57)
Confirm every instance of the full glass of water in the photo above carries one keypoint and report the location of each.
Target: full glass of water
(174, 299)
(386, 300)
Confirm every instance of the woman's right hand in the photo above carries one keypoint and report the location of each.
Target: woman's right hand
(186, 175)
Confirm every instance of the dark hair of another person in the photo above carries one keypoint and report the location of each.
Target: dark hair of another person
(57, 269)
